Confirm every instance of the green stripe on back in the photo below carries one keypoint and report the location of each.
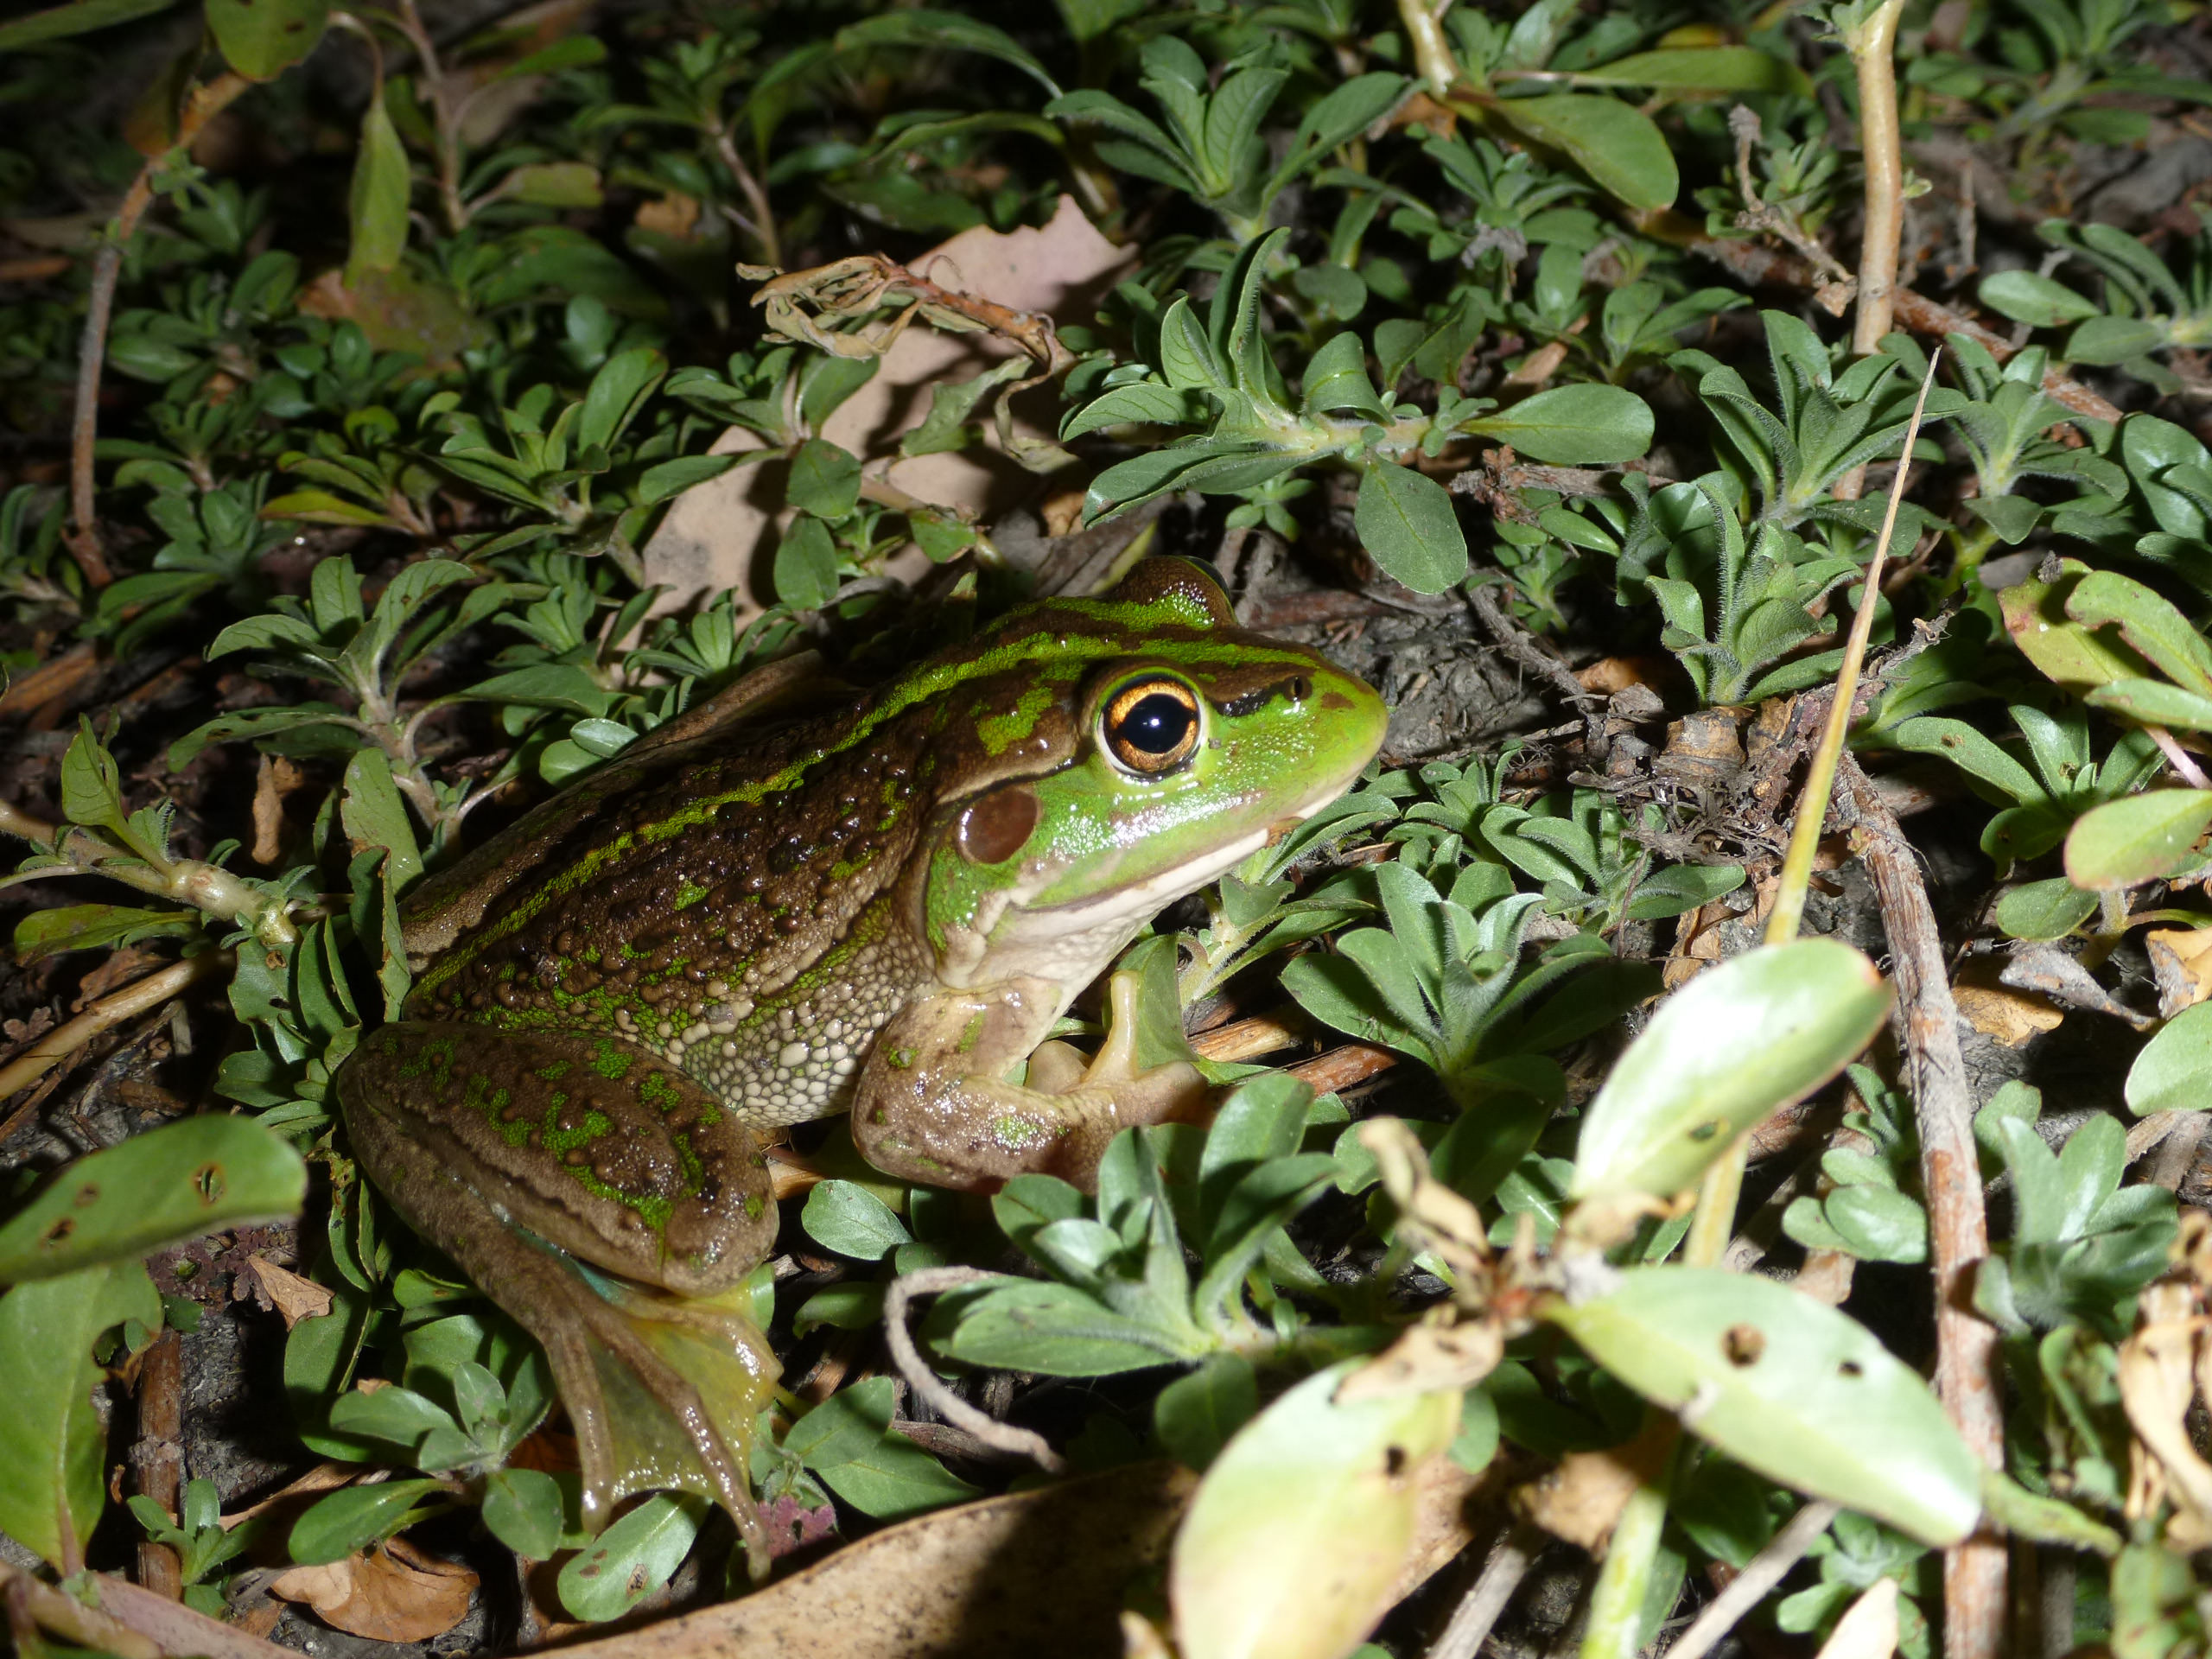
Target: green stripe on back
(1039, 641)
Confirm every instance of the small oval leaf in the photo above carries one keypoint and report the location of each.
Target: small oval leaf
(1787, 1386)
(2144, 837)
(1678, 1098)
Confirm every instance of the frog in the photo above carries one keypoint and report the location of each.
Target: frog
(879, 903)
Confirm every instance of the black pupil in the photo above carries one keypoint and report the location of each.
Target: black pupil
(1158, 724)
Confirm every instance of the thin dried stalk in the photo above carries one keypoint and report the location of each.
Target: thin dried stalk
(1967, 1362)
(999, 1437)
(92, 351)
(129, 1003)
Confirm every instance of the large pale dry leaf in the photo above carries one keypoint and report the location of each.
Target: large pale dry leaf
(392, 1594)
(713, 535)
(1039, 1571)
(1043, 1572)
(1868, 1629)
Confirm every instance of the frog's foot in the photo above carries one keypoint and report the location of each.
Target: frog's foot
(661, 1392)
(931, 1106)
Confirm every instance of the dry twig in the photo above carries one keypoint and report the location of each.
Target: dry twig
(999, 1437)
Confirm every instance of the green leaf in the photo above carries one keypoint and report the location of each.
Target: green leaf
(2037, 300)
(1677, 1098)
(825, 479)
(2146, 837)
(168, 1184)
(1143, 402)
(378, 208)
(1681, 887)
(2173, 1071)
(89, 927)
(848, 1441)
(948, 29)
(1056, 1331)
(1405, 521)
(1702, 68)
(2044, 910)
(1789, 1387)
(375, 816)
(806, 565)
(845, 1217)
(552, 184)
(618, 391)
(1336, 377)
(2106, 340)
(523, 1510)
(671, 478)
(2147, 622)
(1618, 145)
(952, 406)
(1292, 1547)
(53, 1444)
(1195, 1414)
(261, 39)
(632, 1558)
(2153, 702)
(58, 23)
(1582, 425)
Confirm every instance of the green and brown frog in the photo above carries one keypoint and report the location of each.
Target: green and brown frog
(882, 908)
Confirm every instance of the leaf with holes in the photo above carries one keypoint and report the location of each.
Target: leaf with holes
(1789, 1387)
(170, 1183)
(1304, 1523)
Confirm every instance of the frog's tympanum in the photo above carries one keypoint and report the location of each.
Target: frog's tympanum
(884, 909)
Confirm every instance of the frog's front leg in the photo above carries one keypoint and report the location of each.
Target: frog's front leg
(523, 1156)
(931, 1103)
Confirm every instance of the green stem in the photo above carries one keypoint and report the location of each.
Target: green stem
(1624, 1582)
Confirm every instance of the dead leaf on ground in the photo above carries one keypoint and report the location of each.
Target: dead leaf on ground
(117, 970)
(1581, 1499)
(712, 535)
(1868, 1629)
(292, 1295)
(2004, 1012)
(277, 779)
(2181, 963)
(1005, 1578)
(395, 1594)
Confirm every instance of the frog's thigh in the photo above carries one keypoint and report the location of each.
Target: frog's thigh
(544, 1296)
(596, 1145)
(930, 1104)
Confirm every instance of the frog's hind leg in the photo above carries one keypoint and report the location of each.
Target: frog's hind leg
(628, 1366)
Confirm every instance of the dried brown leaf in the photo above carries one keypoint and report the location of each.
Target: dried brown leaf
(294, 1296)
(392, 1594)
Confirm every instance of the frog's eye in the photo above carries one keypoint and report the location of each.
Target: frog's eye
(1150, 725)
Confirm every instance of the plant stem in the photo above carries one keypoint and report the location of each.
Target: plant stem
(1789, 911)
(1872, 46)
(445, 111)
(1433, 57)
(1486, 1598)
(1968, 1361)
(128, 1003)
(91, 350)
(1748, 1588)
(1624, 1581)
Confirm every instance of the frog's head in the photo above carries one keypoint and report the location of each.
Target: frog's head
(1109, 756)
